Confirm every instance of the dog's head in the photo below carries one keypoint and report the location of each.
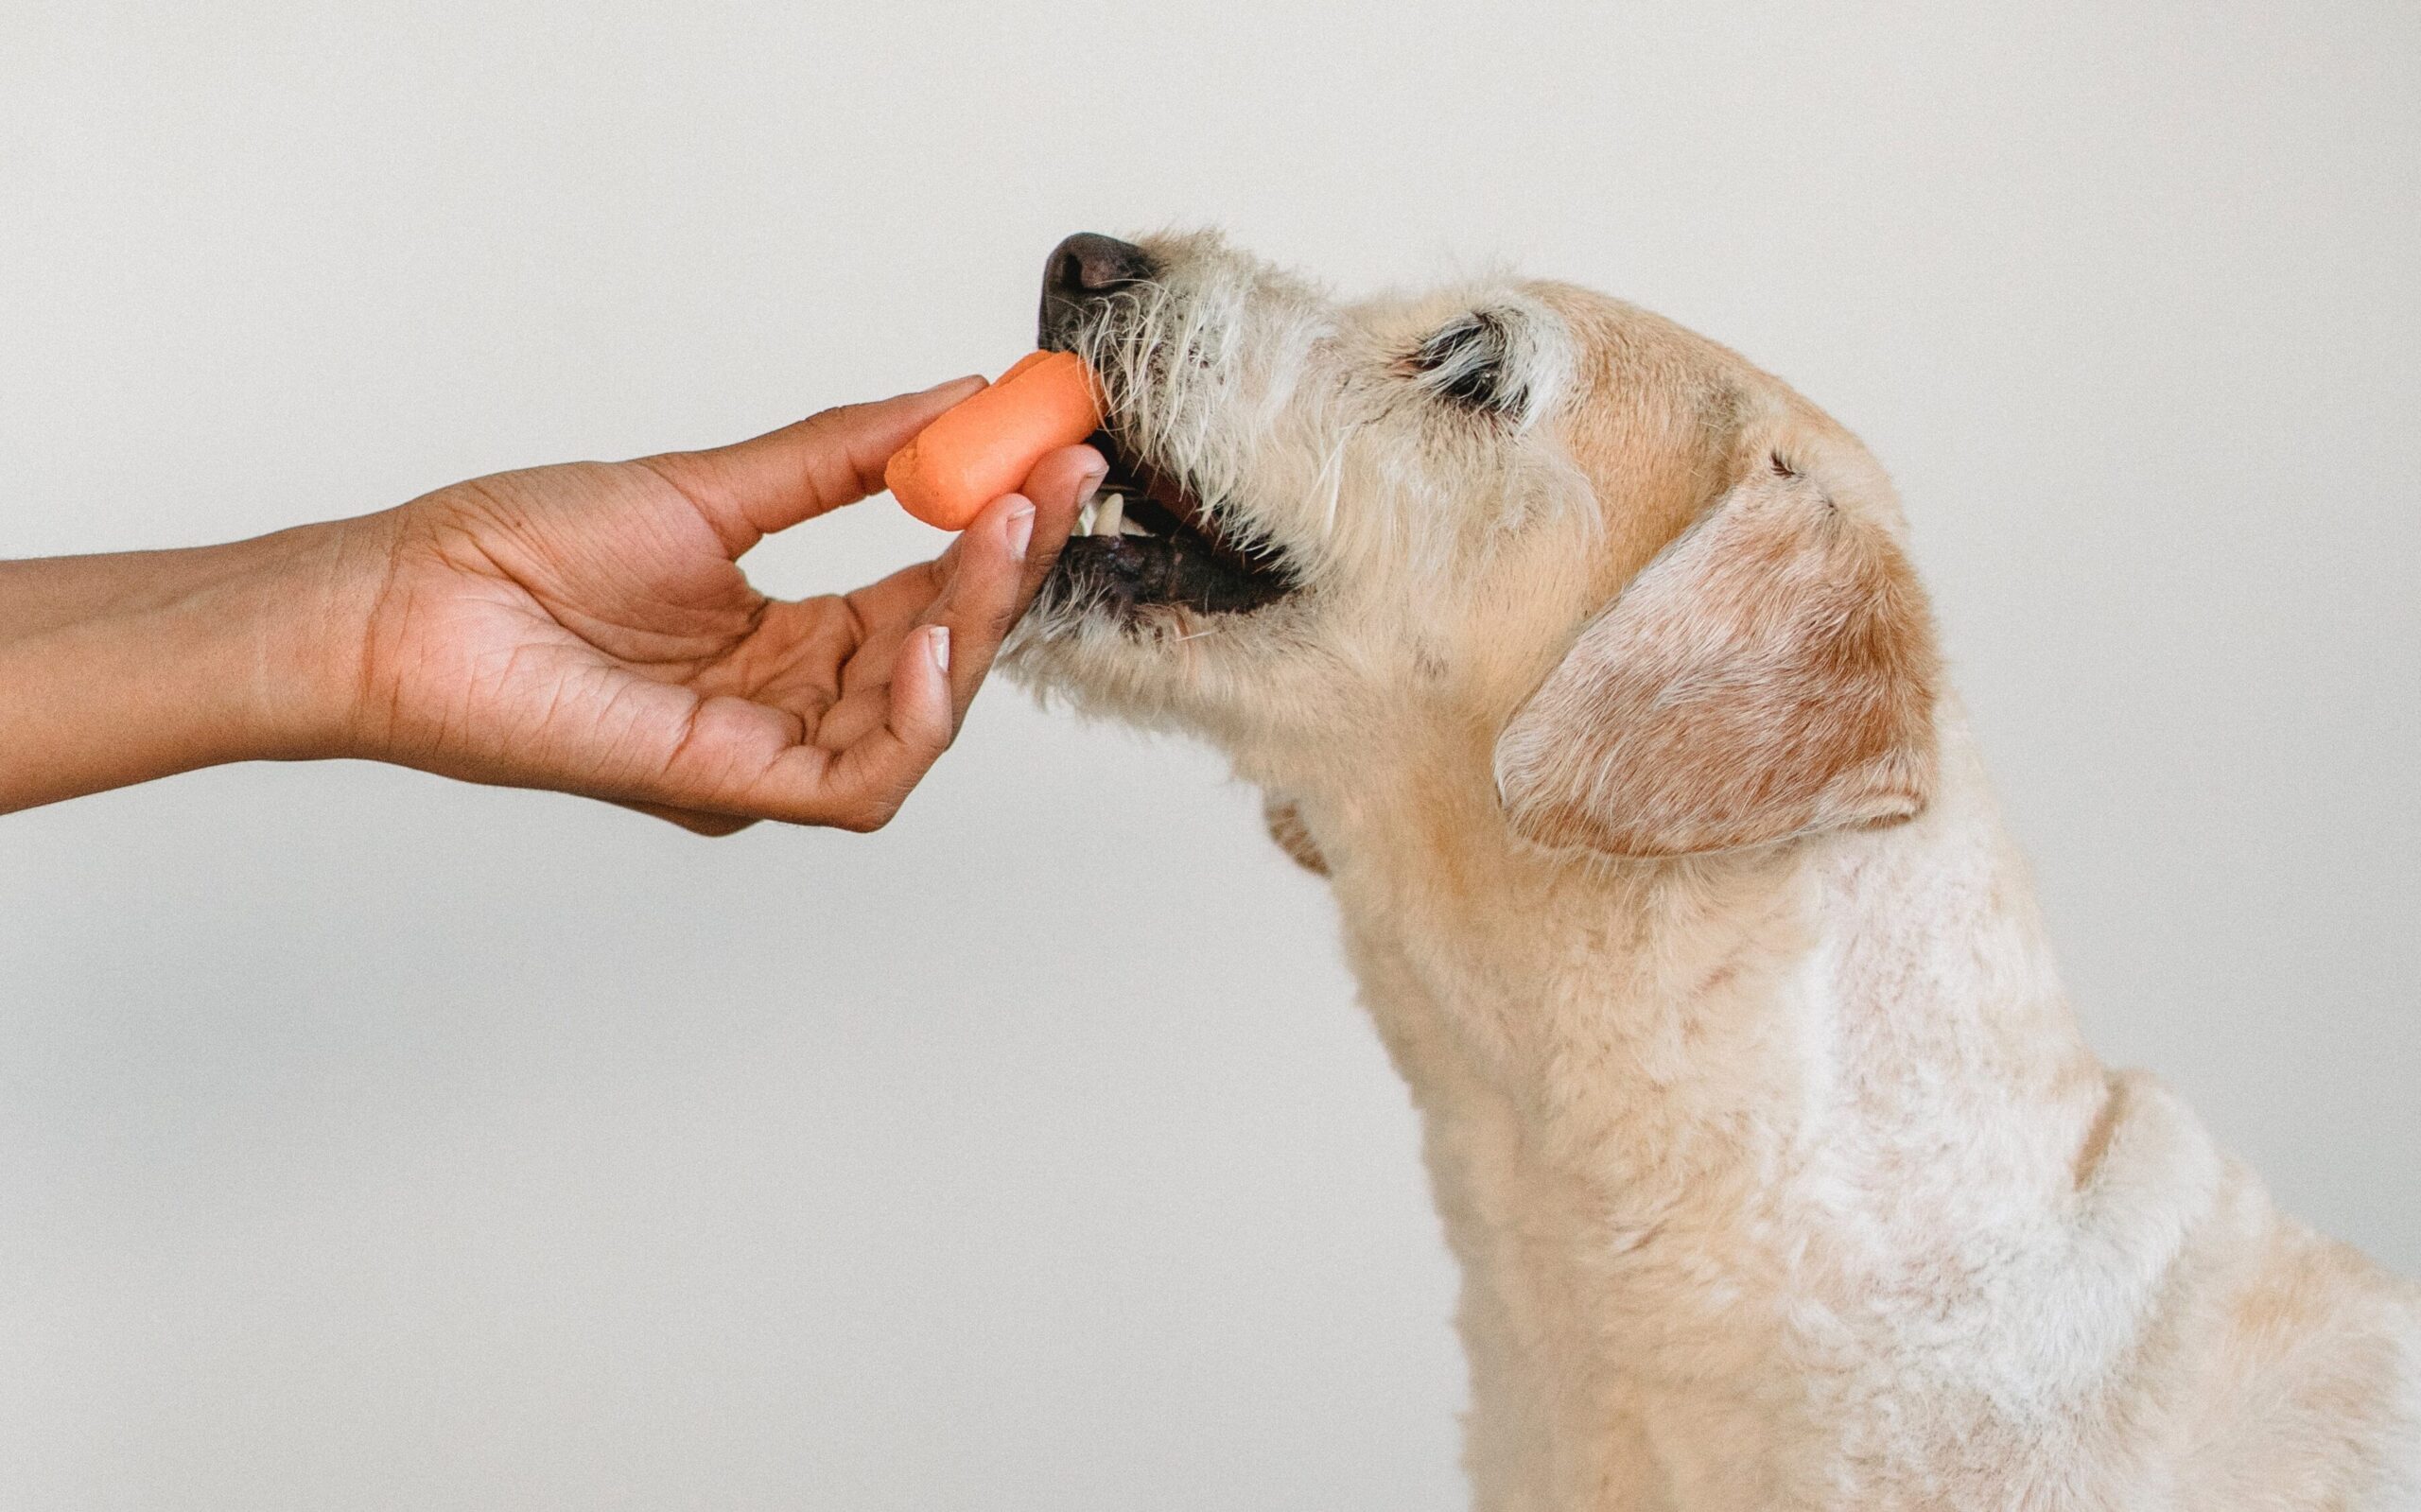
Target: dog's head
(1516, 533)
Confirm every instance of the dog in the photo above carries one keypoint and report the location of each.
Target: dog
(1586, 661)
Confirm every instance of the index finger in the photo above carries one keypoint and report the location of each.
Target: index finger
(751, 489)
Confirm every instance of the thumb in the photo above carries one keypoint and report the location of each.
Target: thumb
(752, 489)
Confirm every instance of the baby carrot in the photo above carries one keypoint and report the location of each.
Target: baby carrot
(982, 446)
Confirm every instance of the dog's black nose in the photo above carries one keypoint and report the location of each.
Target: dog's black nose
(1085, 267)
(1088, 264)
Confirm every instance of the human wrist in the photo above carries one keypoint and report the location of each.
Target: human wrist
(120, 669)
(298, 605)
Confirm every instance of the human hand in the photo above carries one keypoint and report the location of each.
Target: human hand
(585, 628)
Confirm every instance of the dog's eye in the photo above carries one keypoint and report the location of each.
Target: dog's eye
(1464, 362)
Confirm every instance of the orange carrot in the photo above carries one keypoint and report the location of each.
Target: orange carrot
(983, 446)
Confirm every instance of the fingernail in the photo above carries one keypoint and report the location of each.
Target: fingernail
(937, 647)
(950, 383)
(1091, 484)
(1020, 529)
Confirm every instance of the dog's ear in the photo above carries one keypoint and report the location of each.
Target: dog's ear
(1771, 674)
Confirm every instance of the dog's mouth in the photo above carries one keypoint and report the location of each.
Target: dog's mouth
(1146, 541)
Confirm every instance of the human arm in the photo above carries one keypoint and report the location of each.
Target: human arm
(585, 628)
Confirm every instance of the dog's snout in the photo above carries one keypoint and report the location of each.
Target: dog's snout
(1085, 267)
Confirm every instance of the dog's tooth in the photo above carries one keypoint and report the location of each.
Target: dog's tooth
(1108, 515)
(1085, 517)
(1127, 527)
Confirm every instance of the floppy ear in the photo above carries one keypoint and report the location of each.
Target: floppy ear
(1771, 672)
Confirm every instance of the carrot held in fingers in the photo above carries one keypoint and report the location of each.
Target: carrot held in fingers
(982, 446)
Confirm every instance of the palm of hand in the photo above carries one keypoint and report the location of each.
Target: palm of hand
(586, 618)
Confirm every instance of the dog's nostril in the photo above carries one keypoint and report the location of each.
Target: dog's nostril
(1087, 265)
(1083, 269)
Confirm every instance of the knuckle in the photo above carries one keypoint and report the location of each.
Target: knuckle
(865, 816)
(837, 419)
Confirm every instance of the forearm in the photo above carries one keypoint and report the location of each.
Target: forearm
(115, 670)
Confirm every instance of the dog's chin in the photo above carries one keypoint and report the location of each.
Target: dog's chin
(1146, 543)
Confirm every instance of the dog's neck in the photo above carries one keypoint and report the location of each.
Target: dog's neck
(1695, 1125)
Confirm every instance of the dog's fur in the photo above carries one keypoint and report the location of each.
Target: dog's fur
(1779, 1174)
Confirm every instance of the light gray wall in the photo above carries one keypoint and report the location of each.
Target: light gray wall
(368, 1141)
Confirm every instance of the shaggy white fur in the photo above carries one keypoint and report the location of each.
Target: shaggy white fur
(1778, 1170)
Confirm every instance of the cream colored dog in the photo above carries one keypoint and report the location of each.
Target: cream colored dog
(1586, 661)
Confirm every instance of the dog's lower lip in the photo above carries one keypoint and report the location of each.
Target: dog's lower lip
(1176, 556)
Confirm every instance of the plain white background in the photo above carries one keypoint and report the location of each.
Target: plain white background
(369, 1141)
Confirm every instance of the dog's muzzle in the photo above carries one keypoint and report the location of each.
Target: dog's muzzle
(1146, 539)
